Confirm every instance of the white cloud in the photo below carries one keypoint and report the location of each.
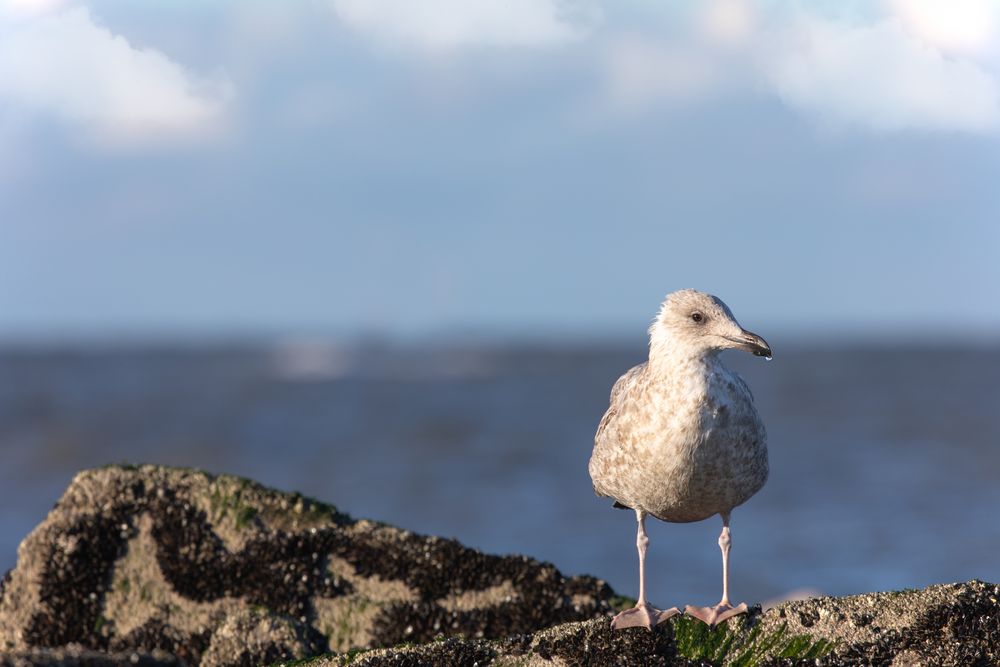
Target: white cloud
(443, 25)
(642, 72)
(874, 72)
(24, 7)
(880, 76)
(727, 21)
(958, 26)
(65, 65)
(680, 57)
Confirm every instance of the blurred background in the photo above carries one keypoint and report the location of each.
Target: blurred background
(394, 255)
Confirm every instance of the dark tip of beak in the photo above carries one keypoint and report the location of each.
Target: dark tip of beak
(753, 343)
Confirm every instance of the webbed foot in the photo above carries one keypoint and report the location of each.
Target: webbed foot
(712, 616)
(643, 616)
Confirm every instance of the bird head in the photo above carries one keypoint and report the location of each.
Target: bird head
(693, 322)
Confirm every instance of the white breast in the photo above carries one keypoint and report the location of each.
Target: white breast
(682, 447)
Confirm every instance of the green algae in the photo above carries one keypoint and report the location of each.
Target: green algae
(233, 503)
(735, 644)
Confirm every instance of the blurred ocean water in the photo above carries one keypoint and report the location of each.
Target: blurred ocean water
(885, 461)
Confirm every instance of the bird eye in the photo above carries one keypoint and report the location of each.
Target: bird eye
(697, 317)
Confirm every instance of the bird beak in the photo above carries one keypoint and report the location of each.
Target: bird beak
(751, 342)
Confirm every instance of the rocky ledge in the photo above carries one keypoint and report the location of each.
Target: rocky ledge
(162, 566)
(950, 625)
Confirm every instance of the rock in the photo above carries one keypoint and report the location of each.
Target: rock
(952, 625)
(75, 655)
(154, 558)
(256, 637)
(161, 566)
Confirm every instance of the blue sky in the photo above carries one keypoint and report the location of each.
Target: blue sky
(518, 167)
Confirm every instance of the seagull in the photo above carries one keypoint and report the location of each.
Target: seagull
(681, 440)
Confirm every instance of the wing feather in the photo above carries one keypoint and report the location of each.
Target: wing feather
(618, 391)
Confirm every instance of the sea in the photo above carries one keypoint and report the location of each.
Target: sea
(885, 459)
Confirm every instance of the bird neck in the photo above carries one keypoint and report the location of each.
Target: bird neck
(667, 355)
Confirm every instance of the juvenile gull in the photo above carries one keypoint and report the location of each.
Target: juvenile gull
(681, 440)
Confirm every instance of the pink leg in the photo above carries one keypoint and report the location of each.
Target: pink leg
(642, 614)
(724, 610)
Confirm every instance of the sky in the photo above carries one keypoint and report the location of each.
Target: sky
(497, 167)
